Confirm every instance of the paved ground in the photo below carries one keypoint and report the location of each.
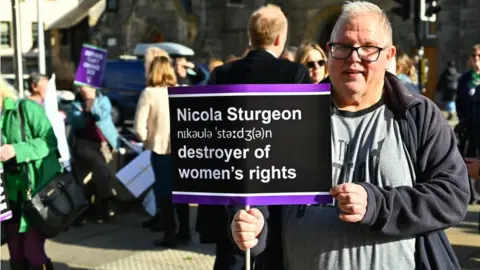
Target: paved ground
(122, 245)
(125, 246)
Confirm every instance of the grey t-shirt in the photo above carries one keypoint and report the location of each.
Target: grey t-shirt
(366, 147)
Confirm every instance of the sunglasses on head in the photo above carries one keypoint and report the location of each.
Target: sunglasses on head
(311, 64)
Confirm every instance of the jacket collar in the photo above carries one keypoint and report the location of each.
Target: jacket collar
(397, 95)
(260, 53)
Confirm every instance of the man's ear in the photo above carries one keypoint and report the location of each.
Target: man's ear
(391, 52)
(276, 42)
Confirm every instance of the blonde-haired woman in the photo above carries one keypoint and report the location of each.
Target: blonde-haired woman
(153, 52)
(154, 223)
(37, 153)
(406, 72)
(314, 58)
(152, 126)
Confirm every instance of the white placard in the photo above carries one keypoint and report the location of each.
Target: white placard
(137, 176)
(57, 120)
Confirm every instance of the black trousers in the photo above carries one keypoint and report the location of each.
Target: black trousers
(227, 256)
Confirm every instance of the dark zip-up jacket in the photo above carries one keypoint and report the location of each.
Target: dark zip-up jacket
(438, 200)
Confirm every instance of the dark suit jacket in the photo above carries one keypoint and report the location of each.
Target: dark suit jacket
(258, 67)
(464, 100)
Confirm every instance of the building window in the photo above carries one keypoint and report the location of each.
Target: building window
(35, 33)
(236, 3)
(187, 6)
(5, 35)
(112, 5)
(64, 37)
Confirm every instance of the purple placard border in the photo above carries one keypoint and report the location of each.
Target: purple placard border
(250, 88)
(290, 199)
(5, 216)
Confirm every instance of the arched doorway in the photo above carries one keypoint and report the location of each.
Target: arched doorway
(152, 35)
(321, 24)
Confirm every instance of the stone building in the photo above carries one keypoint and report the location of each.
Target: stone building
(50, 10)
(218, 27)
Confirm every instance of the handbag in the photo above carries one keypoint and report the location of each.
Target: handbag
(56, 205)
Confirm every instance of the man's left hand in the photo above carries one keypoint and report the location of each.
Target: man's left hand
(473, 166)
(352, 199)
(7, 152)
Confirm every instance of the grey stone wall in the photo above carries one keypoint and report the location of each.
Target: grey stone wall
(222, 27)
(458, 31)
(225, 27)
(139, 21)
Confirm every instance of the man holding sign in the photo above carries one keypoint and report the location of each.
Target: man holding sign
(398, 177)
(260, 66)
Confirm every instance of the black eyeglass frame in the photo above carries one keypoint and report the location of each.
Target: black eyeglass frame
(352, 48)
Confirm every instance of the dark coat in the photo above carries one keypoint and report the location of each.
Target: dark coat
(447, 84)
(420, 211)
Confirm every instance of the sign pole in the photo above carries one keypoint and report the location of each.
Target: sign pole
(247, 252)
(40, 40)
(17, 47)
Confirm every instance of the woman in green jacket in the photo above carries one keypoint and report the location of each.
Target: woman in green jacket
(38, 154)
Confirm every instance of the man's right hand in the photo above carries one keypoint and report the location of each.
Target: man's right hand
(246, 227)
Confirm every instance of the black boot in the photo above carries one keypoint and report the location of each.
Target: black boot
(47, 266)
(155, 224)
(105, 211)
(19, 265)
(149, 223)
(184, 235)
(166, 210)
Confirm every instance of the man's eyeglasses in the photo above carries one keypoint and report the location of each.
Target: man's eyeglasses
(365, 53)
(311, 64)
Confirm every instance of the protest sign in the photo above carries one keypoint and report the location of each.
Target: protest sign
(137, 176)
(91, 66)
(5, 212)
(57, 120)
(251, 144)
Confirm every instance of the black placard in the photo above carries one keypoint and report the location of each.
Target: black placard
(249, 147)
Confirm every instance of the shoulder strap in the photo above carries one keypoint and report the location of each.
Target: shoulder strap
(21, 119)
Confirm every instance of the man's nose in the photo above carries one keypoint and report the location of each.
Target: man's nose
(354, 56)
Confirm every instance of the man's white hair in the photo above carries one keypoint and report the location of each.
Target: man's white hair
(352, 9)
